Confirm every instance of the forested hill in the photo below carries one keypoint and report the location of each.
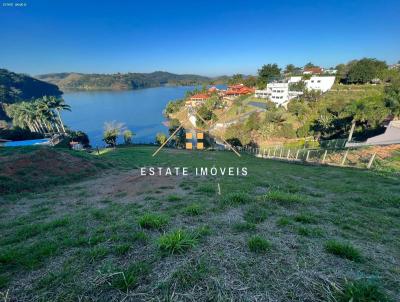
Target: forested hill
(16, 87)
(121, 81)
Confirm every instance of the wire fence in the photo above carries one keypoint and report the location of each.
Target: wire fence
(364, 158)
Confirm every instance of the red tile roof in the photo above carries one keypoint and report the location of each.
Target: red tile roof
(239, 90)
(313, 69)
(200, 96)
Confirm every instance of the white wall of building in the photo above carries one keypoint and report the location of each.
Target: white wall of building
(322, 84)
(279, 92)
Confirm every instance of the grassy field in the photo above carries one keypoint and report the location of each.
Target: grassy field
(284, 232)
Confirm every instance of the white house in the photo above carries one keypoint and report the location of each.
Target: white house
(322, 84)
(279, 93)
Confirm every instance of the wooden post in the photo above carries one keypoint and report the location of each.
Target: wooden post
(344, 157)
(371, 161)
(297, 153)
(308, 155)
(324, 157)
(288, 154)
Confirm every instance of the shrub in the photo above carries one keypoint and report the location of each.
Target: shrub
(344, 250)
(258, 244)
(177, 241)
(153, 221)
(361, 291)
(255, 215)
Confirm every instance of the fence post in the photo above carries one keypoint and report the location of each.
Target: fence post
(344, 157)
(268, 152)
(297, 153)
(324, 157)
(371, 161)
(280, 154)
(308, 155)
(288, 154)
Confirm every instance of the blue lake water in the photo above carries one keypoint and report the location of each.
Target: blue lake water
(140, 110)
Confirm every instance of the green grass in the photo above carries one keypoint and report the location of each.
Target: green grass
(193, 209)
(237, 198)
(128, 278)
(284, 197)
(305, 218)
(258, 244)
(153, 221)
(67, 242)
(174, 197)
(255, 214)
(244, 227)
(362, 291)
(177, 241)
(344, 250)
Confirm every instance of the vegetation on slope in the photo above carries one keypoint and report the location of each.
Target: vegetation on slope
(121, 81)
(16, 87)
(91, 238)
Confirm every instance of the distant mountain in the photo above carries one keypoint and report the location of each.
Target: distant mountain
(123, 81)
(16, 87)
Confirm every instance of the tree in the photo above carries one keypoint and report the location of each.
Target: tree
(369, 111)
(250, 81)
(128, 135)
(392, 98)
(364, 70)
(58, 104)
(161, 138)
(310, 65)
(111, 132)
(268, 72)
(236, 79)
(179, 138)
(291, 69)
(297, 86)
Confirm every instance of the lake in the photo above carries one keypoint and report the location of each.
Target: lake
(140, 110)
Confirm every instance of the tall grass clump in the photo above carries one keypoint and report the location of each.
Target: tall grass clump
(236, 198)
(130, 277)
(258, 244)
(361, 291)
(255, 214)
(193, 209)
(153, 221)
(344, 250)
(176, 242)
(284, 197)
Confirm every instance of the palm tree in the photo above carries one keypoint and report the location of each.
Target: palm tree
(59, 104)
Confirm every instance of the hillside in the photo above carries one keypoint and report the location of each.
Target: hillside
(122, 81)
(16, 87)
(285, 232)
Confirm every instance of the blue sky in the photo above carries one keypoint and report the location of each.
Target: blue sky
(202, 37)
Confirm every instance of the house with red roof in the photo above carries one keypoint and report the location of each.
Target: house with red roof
(313, 70)
(197, 99)
(238, 90)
